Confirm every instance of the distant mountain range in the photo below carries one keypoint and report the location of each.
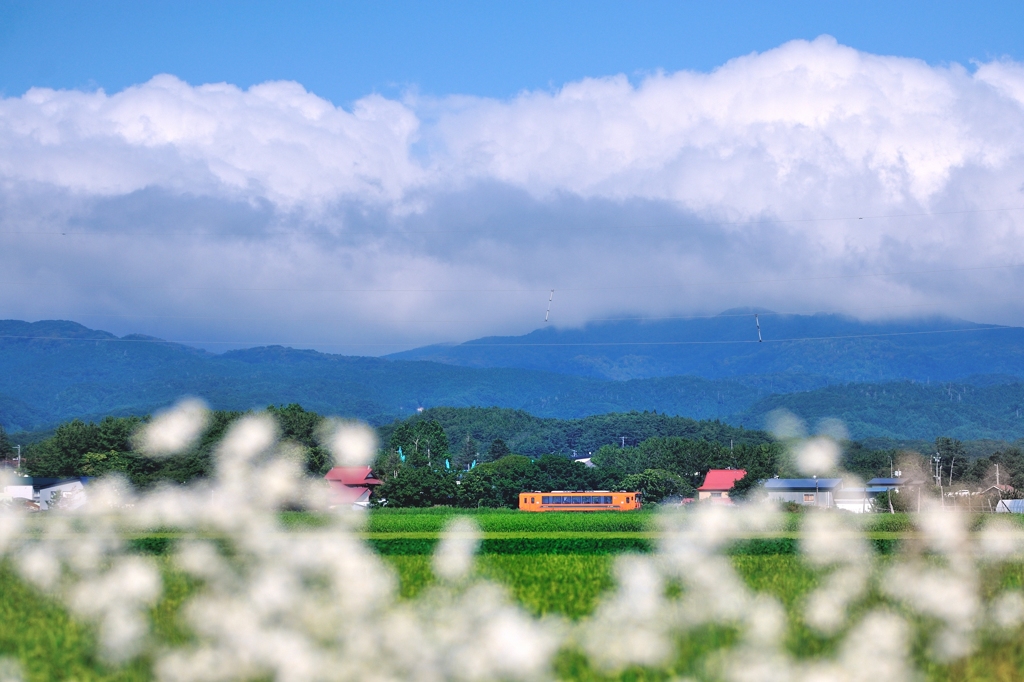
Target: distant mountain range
(805, 349)
(919, 382)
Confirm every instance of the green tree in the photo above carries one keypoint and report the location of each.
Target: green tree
(952, 458)
(5, 445)
(61, 454)
(468, 453)
(423, 443)
(302, 428)
(654, 485)
(562, 473)
(101, 463)
(498, 483)
(417, 487)
(497, 450)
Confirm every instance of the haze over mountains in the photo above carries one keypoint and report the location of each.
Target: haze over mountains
(898, 380)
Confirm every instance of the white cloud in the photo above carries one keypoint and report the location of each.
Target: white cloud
(601, 183)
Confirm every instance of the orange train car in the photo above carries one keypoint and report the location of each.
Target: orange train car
(591, 500)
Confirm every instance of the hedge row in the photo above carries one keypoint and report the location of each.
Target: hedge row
(426, 546)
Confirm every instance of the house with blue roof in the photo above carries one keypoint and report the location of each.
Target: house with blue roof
(816, 492)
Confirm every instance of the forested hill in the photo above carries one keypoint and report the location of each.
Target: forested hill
(54, 371)
(527, 434)
(51, 372)
(817, 347)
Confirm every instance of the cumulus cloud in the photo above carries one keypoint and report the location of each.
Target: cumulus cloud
(212, 213)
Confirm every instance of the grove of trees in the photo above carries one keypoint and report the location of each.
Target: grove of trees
(421, 463)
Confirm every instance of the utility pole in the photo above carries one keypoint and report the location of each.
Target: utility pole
(19, 457)
(623, 440)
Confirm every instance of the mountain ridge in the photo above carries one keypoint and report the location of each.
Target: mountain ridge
(46, 379)
(832, 346)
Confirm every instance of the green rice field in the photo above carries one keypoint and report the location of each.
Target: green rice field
(551, 564)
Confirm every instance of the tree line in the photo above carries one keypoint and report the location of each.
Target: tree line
(421, 464)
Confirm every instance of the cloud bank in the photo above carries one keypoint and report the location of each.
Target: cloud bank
(809, 177)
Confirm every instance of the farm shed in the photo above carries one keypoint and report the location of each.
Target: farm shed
(818, 492)
(67, 493)
(858, 500)
(1010, 507)
(351, 485)
(718, 483)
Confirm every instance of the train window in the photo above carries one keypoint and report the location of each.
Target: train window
(533, 501)
(546, 499)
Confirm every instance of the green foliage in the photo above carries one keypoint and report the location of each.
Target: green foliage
(526, 434)
(100, 463)
(468, 454)
(423, 443)
(654, 485)
(64, 453)
(865, 462)
(302, 428)
(417, 487)
(691, 459)
(78, 448)
(497, 450)
(498, 483)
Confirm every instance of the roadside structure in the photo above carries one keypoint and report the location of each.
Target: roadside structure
(718, 483)
(351, 485)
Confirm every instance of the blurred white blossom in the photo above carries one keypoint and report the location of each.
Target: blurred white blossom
(319, 604)
(174, 430)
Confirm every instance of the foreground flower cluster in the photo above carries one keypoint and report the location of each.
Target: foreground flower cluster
(318, 604)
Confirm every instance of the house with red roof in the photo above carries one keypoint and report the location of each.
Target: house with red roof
(351, 485)
(718, 483)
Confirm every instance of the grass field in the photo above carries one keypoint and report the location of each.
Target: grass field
(551, 564)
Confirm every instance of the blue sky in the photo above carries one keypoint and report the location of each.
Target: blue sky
(344, 50)
(362, 178)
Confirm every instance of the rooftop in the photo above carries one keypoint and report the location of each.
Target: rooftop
(722, 479)
(803, 483)
(361, 476)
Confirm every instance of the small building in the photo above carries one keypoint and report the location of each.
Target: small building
(1010, 507)
(66, 495)
(718, 483)
(352, 485)
(817, 492)
(47, 493)
(858, 500)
